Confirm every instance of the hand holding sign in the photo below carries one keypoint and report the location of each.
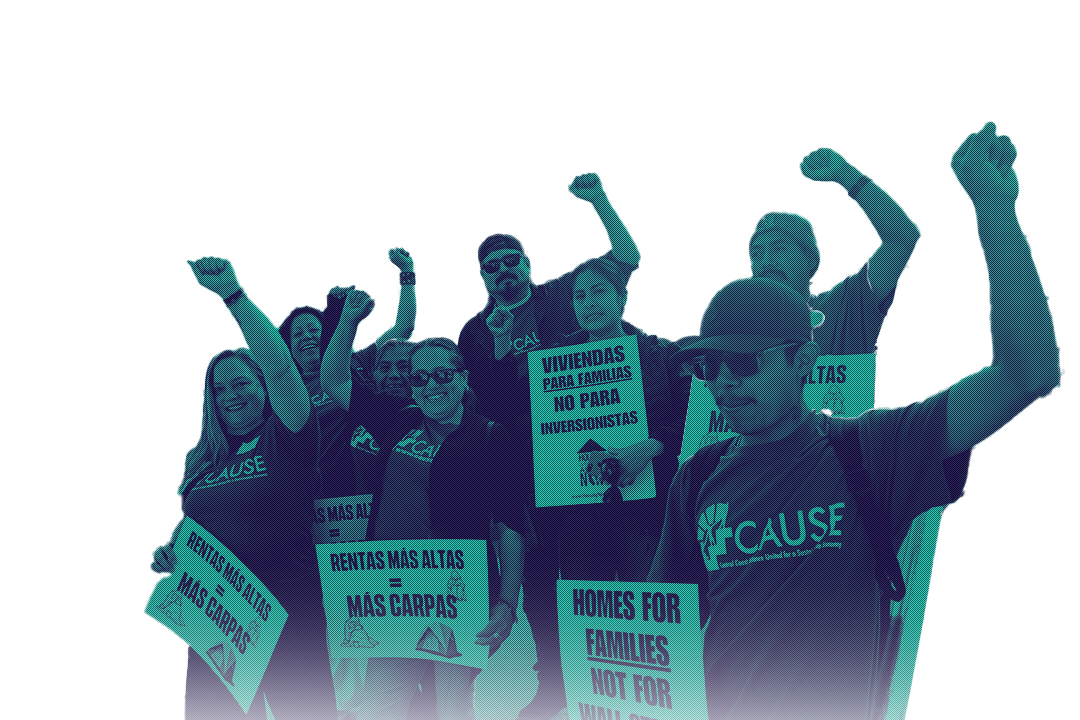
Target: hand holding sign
(164, 560)
(494, 634)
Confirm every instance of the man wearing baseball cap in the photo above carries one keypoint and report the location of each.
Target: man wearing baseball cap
(521, 317)
(769, 525)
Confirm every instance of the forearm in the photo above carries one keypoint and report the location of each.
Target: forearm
(405, 320)
(331, 317)
(622, 245)
(1021, 328)
(889, 220)
(510, 564)
(335, 374)
(265, 343)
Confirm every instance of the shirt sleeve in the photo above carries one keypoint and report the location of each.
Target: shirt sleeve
(301, 448)
(902, 450)
(853, 317)
(678, 558)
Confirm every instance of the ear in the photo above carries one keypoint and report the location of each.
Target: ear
(805, 358)
(465, 377)
(525, 259)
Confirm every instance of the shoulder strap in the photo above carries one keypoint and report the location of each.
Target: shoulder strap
(844, 437)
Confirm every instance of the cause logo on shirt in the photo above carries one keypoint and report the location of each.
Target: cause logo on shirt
(416, 448)
(754, 541)
(248, 446)
(364, 441)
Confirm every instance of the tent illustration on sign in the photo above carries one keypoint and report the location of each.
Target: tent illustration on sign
(171, 607)
(356, 636)
(590, 475)
(225, 664)
(833, 400)
(438, 640)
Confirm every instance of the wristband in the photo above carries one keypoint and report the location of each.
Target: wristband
(859, 185)
(407, 278)
(513, 614)
(231, 300)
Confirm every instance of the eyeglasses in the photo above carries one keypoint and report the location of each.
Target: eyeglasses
(441, 376)
(743, 365)
(509, 260)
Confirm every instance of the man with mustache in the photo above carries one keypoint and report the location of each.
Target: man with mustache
(768, 522)
(521, 317)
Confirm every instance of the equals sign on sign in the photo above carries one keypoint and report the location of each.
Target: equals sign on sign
(395, 582)
(335, 532)
(220, 591)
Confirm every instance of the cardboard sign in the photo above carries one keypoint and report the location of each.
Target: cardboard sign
(586, 398)
(341, 519)
(424, 599)
(219, 608)
(843, 384)
(631, 651)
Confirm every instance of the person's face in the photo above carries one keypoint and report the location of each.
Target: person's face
(760, 404)
(304, 340)
(505, 280)
(597, 304)
(776, 256)
(238, 396)
(392, 372)
(438, 402)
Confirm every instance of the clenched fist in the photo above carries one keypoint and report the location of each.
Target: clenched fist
(216, 275)
(823, 165)
(500, 321)
(587, 187)
(358, 305)
(401, 258)
(983, 165)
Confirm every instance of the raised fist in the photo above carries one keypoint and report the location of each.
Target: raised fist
(983, 165)
(358, 305)
(823, 165)
(338, 292)
(500, 321)
(401, 258)
(587, 187)
(216, 275)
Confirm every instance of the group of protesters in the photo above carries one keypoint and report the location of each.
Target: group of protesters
(792, 638)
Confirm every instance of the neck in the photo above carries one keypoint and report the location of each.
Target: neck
(439, 429)
(787, 424)
(607, 333)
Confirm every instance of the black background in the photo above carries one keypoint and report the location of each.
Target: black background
(297, 217)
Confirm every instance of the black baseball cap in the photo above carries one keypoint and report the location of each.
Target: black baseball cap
(498, 242)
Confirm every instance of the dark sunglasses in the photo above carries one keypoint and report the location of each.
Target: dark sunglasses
(744, 365)
(442, 376)
(509, 260)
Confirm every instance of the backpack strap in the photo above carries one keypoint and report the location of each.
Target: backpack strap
(844, 437)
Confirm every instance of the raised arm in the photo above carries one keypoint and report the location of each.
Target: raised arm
(1025, 363)
(898, 234)
(588, 187)
(336, 373)
(405, 322)
(283, 384)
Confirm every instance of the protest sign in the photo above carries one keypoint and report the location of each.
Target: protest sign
(219, 608)
(424, 599)
(843, 384)
(631, 651)
(585, 399)
(341, 519)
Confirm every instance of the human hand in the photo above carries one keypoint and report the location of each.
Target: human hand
(588, 187)
(500, 321)
(358, 305)
(216, 275)
(498, 628)
(401, 258)
(164, 560)
(983, 165)
(632, 460)
(824, 165)
(339, 293)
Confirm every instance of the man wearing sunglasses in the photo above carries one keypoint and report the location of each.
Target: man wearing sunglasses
(521, 317)
(769, 525)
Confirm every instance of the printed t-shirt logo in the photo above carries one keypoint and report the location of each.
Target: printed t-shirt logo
(416, 448)
(318, 400)
(364, 441)
(730, 544)
(248, 446)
